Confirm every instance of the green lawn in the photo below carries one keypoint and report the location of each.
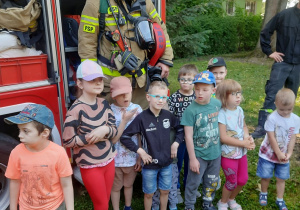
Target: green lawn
(252, 77)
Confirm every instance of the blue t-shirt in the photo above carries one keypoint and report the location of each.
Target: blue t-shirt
(204, 120)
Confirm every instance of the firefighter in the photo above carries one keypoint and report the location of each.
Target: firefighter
(108, 34)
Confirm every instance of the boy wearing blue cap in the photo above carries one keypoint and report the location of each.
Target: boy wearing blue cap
(200, 121)
(39, 170)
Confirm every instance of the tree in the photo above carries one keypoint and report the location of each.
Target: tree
(271, 9)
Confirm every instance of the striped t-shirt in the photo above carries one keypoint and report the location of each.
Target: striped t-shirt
(81, 119)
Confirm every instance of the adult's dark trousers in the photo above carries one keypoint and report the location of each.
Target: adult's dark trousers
(282, 75)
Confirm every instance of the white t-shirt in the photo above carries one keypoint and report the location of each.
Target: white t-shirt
(125, 157)
(283, 128)
(234, 121)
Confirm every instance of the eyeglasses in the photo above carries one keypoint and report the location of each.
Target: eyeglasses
(238, 93)
(183, 80)
(158, 97)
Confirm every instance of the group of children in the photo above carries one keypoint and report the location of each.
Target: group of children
(203, 125)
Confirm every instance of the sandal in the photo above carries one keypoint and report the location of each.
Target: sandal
(281, 205)
(263, 199)
(222, 206)
(233, 205)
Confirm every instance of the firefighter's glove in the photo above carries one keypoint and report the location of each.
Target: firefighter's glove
(129, 61)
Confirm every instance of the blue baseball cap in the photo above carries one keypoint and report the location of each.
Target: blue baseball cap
(33, 112)
(206, 77)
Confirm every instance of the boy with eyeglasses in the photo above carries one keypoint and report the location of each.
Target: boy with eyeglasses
(155, 124)
(178, 102)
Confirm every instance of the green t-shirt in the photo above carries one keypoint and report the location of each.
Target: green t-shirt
(204, 119)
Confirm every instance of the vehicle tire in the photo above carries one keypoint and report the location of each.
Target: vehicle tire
(7, 143)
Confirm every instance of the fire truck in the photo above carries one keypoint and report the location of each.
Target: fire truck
(40, 79)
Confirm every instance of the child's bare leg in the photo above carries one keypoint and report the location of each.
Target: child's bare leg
(225, 195)
(115, 199)
(235, 192)
(128, 195)
(264, 184)
(280, 186)
(164, 199)
(148, 201)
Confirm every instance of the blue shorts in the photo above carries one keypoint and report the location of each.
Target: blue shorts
(151, 177)
(266, 168)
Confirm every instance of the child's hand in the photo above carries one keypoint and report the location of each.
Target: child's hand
(288, 156)
(281, 156)
(248, 143)
(147, 159)
(97, 135)
(195, 165)
(174, 148)
(128, 115)
(138, 165)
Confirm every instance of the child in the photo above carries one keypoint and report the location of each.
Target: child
(235, 140)
(126, 162)
(178, 102)
(277, 148)
(218, 67)
(39, 170)
(88, 129)
(157, 154)
(200, 121)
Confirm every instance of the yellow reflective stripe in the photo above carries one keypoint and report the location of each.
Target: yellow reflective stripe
(88, 22)
(136, 15)
(89, 17)
(92, 59)
(110, 24)
(116, 73)
(168, 44)
(152, 11)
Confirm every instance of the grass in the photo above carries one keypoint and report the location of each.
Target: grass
(252, 76)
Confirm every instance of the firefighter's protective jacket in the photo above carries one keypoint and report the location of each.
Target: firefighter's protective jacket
(89, 31)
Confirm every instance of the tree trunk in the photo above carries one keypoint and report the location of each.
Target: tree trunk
(272, 8)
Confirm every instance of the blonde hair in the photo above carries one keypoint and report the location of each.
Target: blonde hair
(285, 97)
(160, 84)
(225, 88)
(188, 69)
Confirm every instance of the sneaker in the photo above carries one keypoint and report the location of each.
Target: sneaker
(206, 206)
(281, 205)
(263, 199)
(179, 197)
(259, 132)
(198, 194)
(233, 205)
(222, 206)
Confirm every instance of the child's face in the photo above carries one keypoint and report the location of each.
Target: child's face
(186, 82)
(284, 110)
(93, 87)
(156, 102)
(220, 73)
(233, 100)
(203, 92)
(123, 100)
(29, 135)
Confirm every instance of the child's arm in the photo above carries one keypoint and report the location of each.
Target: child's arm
(290, 147)
(225, 139)
(274, 145)
(248, 137)
(194, 163)
(67, 187)
(126, 117)
(14, 191)
(138, 164)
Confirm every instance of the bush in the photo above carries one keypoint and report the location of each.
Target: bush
(197, 30)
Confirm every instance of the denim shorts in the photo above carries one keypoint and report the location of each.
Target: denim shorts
(151, 177)
(266, 168)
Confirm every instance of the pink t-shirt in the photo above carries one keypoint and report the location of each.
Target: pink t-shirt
(40, 174)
